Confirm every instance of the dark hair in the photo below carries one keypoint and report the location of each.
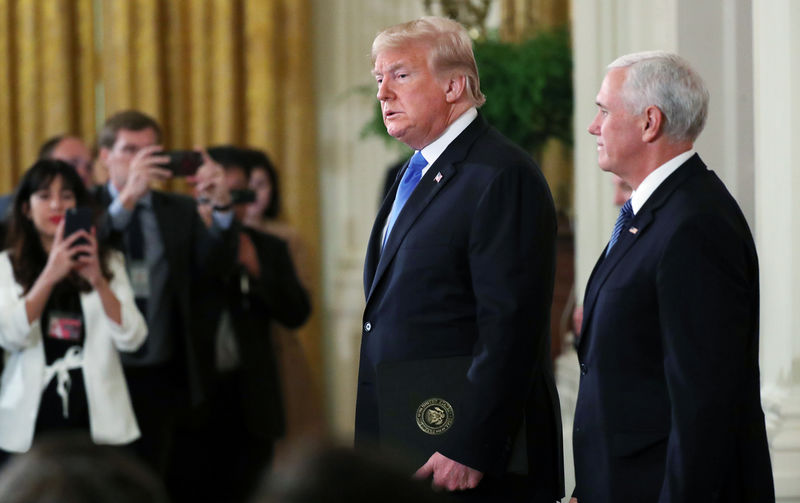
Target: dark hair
(46, 150)
(69, 468)
(249, 159)
(259, 159)
(334, 474)
(230, 157)
(27, 254)
(132, 120)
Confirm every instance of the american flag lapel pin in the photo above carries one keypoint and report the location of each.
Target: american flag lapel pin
(438, 177)
(633, 230)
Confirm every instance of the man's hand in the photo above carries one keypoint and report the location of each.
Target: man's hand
(210, 182)
(448, 474)
(144, 167)
(573, 500)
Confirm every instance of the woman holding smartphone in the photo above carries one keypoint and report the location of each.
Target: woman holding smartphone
(66, 308)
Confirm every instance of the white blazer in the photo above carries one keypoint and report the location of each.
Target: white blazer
(111, 417)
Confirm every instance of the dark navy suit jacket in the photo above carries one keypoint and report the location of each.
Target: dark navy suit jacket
(669, 405)
(189, 250)
(468, 270)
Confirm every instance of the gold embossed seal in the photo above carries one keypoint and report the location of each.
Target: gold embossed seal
(435, 416)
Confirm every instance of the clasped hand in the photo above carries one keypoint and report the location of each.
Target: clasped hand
(448, 474)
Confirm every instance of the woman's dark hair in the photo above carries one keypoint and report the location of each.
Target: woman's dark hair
(258, 159)
(27, 254)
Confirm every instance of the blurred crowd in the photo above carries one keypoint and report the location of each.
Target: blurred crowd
(142, 329)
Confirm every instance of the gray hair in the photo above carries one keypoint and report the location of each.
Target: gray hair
(667, 81)
(451, 48)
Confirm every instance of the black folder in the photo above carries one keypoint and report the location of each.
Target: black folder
(419, 403)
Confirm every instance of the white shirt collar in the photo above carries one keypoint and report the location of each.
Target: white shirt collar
(656, 178)
(432, 151)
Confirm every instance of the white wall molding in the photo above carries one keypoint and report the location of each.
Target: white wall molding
(776, 71)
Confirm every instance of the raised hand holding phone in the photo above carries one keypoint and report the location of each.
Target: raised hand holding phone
(183, 163)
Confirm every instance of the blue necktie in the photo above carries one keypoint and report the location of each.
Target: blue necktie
(410, 180)
(624, 218)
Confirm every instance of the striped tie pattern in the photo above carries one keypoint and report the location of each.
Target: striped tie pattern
(624, 218)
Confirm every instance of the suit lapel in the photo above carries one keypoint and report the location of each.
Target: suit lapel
(437, 176)
(423, 194)
(637, 228)
(375, 238)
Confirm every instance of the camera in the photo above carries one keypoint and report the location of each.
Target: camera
(183, 162)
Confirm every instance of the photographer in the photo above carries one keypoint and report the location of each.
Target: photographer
(66, 308)
(229, 446)
(167, 247)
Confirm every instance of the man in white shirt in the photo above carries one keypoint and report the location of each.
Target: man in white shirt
(458, 282)
(669, 407)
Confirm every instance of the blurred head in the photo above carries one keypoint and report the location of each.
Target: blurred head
(47, 190)
(427, 77)
(235, 163)
(341, 475)
(72, 469)
(121, 137)
(71, 150)
(264, 182)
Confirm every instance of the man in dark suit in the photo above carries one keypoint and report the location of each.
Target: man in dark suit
(226, 449)
(166, 246)
(669, 406)
(463, 269)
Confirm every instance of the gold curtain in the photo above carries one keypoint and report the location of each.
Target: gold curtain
(521, 17)
(211, 72)
(519, 20)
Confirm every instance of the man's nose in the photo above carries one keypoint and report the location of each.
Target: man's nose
(594, 128)
(384, 91)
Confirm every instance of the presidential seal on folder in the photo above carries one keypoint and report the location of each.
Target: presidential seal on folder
(419, 404)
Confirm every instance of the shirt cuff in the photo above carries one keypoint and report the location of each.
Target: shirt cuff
(223, 219)
(119, 215)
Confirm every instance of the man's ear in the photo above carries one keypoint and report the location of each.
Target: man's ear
(456, 86)
(653, 123)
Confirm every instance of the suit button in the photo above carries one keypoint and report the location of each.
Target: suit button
(367, 326)
(583, 369)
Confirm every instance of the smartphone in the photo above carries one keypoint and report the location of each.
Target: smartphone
(183, 162)
(242, 196)
(75, 219)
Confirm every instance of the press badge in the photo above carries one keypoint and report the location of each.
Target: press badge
(140, 278)
(65, 326)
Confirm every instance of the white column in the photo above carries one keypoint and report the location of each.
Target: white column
(776, 45)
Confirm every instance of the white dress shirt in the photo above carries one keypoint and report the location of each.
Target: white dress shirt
(655, 179)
